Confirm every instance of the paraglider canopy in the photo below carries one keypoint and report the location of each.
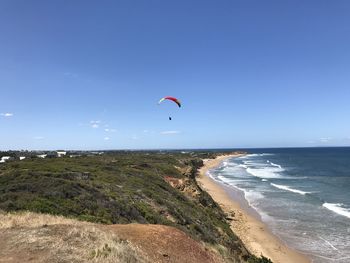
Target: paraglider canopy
(172, 99)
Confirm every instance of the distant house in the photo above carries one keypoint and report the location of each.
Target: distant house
(96, 153)
(21, 158)
(61, 153)
(6, 159)
(42, 156)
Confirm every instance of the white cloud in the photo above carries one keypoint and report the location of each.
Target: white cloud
(325, 139)
(170, 132)
(95, 121)
(39, 138)
(7, 114)
(95, 124)
(106, 138)
(110, 130)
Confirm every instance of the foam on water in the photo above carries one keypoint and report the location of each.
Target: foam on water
(225, 180)
(262, 170)
(287, 188)
(253, 196)
(210, 175)
(266, 173)
(226, 163)
(254, 155)
(329, 243)
(337, 208)
(276, 165)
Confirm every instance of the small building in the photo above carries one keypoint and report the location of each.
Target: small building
(42, 156)
(61, 153)
(22, 158)
(96, 153)
(6, 159)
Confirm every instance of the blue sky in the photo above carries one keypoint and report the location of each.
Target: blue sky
(88, 74)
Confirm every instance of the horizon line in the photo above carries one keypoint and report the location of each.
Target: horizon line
(172, 149)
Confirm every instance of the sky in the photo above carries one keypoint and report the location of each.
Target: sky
(88, 74)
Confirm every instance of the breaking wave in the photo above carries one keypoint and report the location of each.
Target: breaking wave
(338, 209)
(266, 173)
(287, 188)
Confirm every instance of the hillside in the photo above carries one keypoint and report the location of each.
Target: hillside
(32, 237)
(123, 188)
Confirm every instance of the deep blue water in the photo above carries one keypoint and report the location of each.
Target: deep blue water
(302, 194)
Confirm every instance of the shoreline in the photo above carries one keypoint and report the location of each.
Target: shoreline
(245, 221)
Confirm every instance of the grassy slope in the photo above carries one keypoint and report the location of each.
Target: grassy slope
(118, 188)
(32, 237)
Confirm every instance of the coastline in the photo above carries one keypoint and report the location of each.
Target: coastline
(254, 234)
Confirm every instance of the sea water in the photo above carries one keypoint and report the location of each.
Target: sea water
(302, 194)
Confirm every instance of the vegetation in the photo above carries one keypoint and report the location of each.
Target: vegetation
(57, 239)
(122, 187)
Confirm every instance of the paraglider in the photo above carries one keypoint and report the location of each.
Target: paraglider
(171, 99)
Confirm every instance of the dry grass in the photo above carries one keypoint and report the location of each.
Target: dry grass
(58, 239)
(29, 219)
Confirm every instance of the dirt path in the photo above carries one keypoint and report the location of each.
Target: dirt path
(165, 244)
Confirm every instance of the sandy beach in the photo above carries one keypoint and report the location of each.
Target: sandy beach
(253, 232)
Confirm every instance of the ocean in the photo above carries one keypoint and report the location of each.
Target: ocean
(302, 194)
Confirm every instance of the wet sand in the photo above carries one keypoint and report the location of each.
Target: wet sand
(245, 222)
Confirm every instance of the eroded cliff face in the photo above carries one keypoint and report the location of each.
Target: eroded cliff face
(233, 249)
